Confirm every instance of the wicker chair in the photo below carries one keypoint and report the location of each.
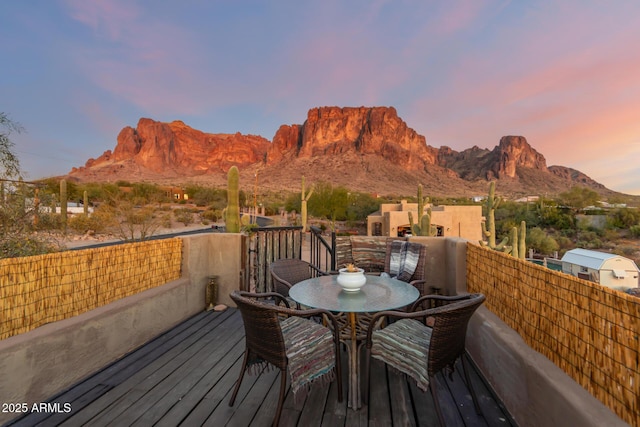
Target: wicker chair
(418, 278)
(266, 344)
(287, 272)
(422, 342)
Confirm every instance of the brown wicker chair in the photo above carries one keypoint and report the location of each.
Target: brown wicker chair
(418, 278)
(265, 342)
(287, 272)
(436, 337)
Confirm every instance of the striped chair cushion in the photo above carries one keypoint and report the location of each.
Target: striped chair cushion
(310, 352)
(404, 345)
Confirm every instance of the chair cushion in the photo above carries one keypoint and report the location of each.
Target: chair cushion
(404, 345)
(368, 253)
(310, 352)
(404, 259)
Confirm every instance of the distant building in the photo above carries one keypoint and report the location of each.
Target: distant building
(611, 270)
(449, 221)
(528, 199)
(175, 193)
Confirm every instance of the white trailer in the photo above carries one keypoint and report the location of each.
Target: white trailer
(611, 270)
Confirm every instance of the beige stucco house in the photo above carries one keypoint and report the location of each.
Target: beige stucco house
(450, 221)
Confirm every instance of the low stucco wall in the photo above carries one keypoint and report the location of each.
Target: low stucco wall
(446, 263)
(533, 389)
(36, 365)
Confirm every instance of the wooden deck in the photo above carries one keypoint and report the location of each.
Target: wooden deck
(185, 377)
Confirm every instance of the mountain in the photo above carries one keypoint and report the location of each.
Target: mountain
(367, 149)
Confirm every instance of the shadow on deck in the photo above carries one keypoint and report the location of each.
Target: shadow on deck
(185, 377)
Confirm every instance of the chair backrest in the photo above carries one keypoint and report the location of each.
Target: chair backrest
(449, 331)
(263, 334)
(419, 273)
(287, 272)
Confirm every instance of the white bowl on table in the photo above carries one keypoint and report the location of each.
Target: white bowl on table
(351, 281)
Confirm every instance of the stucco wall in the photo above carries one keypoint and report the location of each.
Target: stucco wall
(39, 364)
(533, 389)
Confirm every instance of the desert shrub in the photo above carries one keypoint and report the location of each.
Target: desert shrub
(564, 242)
(589, 240)
(98, 221)
(210, 215)
(184, 216)
(80, 223)
(538, 240)
(625, 250)
(49, 221)
(26, 246)
(634, 231)
(625, 217)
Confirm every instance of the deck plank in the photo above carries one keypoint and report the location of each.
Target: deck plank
(186, 376)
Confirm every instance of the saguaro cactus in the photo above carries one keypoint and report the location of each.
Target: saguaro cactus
(304, 198)
(489, 225)
(63, 203)
(518, 241)
(423, 226)
(232, 213)
(85, 202)
(522, 240)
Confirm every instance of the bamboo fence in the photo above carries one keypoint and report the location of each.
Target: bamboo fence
(588, 330)
(46, 288)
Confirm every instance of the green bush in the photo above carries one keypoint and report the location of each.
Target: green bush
(98, 221)
(634, 230)
(25, 246)
(184, 216)
(210, 215)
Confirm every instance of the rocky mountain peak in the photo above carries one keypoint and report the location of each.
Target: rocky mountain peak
(514, 152)
(367, 149)
(361, 130)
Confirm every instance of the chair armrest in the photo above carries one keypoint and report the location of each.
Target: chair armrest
(318, 270)
(267, 295)
(438, 299)
(419, 284)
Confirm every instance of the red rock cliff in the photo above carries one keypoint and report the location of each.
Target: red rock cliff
(363, 130)
(162, 147)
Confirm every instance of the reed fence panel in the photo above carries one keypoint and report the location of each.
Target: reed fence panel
(588, 330)
(46, 288)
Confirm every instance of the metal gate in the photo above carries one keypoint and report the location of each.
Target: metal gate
(265, 245)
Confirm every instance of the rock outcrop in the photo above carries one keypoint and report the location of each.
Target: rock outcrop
(362, 130)
(175, 148)
(364, 148)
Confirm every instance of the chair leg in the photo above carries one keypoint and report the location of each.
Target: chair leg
(367, 361)
(339, 372)
(436, 402)
(242, 369)
(467, 378)
(283, 388)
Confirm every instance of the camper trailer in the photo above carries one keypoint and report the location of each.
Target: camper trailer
(611, 270)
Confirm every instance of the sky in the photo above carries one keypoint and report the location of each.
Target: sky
(565, 74)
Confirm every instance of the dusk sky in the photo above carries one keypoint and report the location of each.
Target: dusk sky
(565, 74)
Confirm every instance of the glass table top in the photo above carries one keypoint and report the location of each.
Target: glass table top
(378, 294)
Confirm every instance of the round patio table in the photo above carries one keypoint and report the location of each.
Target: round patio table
(378, 294)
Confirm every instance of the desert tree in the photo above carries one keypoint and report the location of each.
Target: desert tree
(18, 201)
(8, 159)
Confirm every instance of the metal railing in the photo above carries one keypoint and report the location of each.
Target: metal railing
(266, 245)
(322, 253)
